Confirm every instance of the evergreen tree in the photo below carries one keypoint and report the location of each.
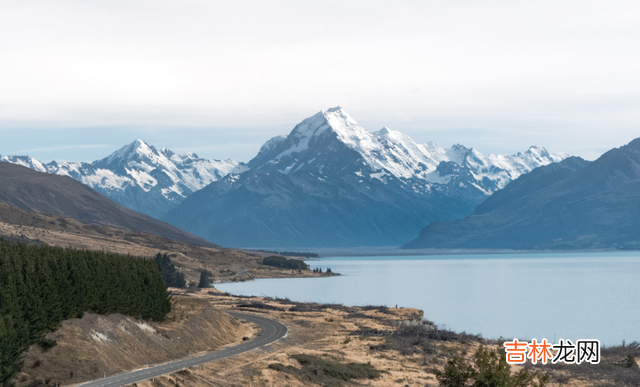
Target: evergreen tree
(40, 286)
(204, 280)
(172, 277)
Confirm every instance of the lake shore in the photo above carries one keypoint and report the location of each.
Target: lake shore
(477, 293)
(392, 346)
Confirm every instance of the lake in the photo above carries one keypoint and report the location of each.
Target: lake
(569, 295)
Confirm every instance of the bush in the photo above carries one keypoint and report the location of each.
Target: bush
(285, 263)
(260, 305)
(345, 372)
(617, 367)
(47, 344)
(491, 369)
(326, 372)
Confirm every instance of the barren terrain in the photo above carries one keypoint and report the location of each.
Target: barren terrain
(393, 346)
(391, 340)
(95, 345)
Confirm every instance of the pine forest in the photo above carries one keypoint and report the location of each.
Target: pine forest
(40, 286)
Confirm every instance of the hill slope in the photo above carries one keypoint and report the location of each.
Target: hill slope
(223, 265)
(330, 183)
(45, 193)
(139, 176)
(571, 205)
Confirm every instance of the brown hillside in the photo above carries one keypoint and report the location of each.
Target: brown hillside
(394, 341)
(95, 345)
(61, 195)
(225, 265)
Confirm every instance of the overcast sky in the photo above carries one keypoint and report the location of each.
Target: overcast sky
(79, 79)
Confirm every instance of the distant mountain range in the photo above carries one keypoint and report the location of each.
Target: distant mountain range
(574, 204)
(330, 183)
(51, 194)
(139, 176)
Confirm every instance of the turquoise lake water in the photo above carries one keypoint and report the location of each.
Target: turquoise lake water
(570, 296)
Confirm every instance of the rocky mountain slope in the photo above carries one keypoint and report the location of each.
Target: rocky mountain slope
(574, 204)
(139, 176)
(330, 183)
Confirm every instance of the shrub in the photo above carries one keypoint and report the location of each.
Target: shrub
(326, 372)
(617, 367)
(285, 263)
(345, 372)
(260, 305)
(47, 343)
(491, 369)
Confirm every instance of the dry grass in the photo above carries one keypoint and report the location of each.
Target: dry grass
(335, 333)
(323, 332)
(398, 343)
(95, 345)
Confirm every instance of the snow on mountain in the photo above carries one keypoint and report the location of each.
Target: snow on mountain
(388, 152)
(139, 176)
(186, 173)
(331, 183)
(25, 161)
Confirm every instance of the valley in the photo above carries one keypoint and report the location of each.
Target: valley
(328, 193)
(327, 186)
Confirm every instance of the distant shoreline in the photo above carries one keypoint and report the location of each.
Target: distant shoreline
(397, 251)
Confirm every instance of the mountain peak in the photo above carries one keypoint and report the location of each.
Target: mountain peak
(537, 150)
(389, 133)
(132, 150)
(316, 143)
(138, 146)
(339, 116)
(333, 119)
(141, 146)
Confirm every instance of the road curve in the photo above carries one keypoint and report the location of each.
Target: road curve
(271, 332)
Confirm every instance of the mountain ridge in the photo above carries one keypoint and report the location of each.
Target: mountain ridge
(581, 205)
(139, 176)
(332, 183)
(391, 151)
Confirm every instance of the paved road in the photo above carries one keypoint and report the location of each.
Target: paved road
(271, 331)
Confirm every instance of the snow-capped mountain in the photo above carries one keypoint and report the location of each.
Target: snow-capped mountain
(313, 145)
(139, 176)
(332, 183)
(574, 204)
